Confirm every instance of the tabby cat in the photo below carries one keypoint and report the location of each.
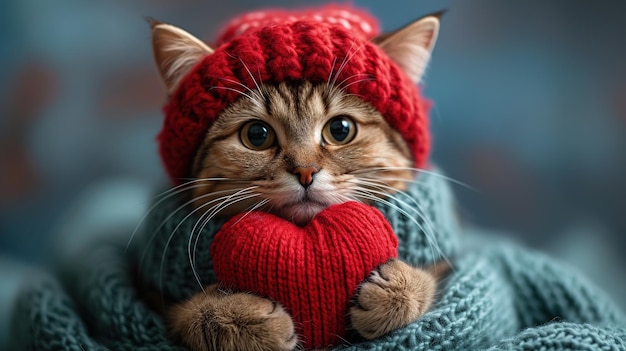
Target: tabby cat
(293, 149)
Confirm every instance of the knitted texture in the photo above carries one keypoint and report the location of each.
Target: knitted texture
(326, 45)
(422, 220)
(91, 305)
(499, 295)
(312, 271)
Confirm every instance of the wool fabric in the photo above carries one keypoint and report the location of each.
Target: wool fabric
(329, 44)
(424, 226)
(499, 296)
(312, 271)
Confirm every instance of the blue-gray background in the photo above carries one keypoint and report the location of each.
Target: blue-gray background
(529, 108)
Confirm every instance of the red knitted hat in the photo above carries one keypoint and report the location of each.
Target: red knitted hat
(279, 46)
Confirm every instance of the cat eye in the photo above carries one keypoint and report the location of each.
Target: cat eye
(339, 130)
(257, 135)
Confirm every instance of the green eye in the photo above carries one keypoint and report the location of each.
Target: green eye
(257, 135)
(339, 130)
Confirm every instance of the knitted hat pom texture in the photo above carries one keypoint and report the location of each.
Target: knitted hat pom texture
(332, 43)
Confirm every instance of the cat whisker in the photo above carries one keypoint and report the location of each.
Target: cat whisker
(259, 93)
(333, 80)
(340, 198)
(386, 193)
(346, 60)
(365, 193)
(225, 202)
(251, 91)
(341, 86)
(253, 208)
(356, 95)
(262, 88)
(344, 341)
(369, 194)
(357, 82)
(207, 216)
(234, 82)
(332, 69)
(395, 193)
(269, 208)
(256, 84)
(204, 219)
(190, 181)
(171, 236)
(172, 214)
(182, 206)
(166, 195)
(240, 92)
(417, 170)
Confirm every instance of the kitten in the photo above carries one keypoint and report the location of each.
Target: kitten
(299, 147)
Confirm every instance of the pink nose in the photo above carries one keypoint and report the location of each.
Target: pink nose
(305, 174)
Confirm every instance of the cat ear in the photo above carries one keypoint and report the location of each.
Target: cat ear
(410, 47)
(175, 52)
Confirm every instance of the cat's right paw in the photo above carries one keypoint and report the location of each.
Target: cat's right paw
(219, 320)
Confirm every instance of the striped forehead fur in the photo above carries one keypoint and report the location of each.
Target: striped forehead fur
(298, 112)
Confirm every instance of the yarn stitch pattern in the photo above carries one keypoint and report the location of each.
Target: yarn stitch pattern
(500, 295)
(319, 46)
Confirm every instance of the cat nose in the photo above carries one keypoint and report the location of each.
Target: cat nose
(305, 174)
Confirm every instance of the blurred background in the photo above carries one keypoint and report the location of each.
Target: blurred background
(529, 108)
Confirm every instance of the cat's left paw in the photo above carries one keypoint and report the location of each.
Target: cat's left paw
(394, 295)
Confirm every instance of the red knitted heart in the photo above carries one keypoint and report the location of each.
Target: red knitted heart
(312, 271)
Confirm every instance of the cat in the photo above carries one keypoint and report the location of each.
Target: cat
(293, 149)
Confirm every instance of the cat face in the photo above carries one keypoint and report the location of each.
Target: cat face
(299, 148)
(295, 148)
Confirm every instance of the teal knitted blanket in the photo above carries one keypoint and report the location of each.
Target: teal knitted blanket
(498, 296)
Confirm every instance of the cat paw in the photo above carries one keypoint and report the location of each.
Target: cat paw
(394, 295)
(221, 320)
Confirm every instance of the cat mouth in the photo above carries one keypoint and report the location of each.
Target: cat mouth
(302, 212)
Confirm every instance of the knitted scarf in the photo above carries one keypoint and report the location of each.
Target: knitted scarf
(499, 295)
